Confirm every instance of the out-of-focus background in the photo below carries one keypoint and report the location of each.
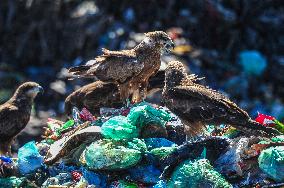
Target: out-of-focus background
(237, 45)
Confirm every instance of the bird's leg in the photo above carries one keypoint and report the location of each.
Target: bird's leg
(5, 148)
(143, 90)
(136, 97)
(128, 102)
(124, 92)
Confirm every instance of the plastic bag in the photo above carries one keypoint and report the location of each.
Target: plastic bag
(146, 174)
(29, 158)
(118, 128)
(271, 161)
(108, 154)
(146, 114)
(195, 174)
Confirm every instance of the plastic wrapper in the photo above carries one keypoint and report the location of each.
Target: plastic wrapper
(230, 162)
(195, 174)
(86, 115)
(29, 158)
(118, 128)
(145, 114)
(108, 154)
(160, 184)
(6, 159)
(11, 182)
(148, 174)
(158, 142)
(271, 161)
(162, 152)
(123, 184)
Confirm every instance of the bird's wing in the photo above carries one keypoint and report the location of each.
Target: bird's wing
(8, 118)
(203, 103)
(116, 67)
(107, 52)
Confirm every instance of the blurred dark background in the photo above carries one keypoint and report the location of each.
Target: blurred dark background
(236, 44)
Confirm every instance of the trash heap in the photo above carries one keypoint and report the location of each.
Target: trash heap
(143, 146)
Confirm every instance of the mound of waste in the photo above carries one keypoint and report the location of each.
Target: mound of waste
(143, 145)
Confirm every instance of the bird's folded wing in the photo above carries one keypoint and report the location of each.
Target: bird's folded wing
(207, 103)
(118, 68)
(8, 118)
(128, 53)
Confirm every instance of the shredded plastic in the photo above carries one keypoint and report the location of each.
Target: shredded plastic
(118, 128)
(195, 174)
(271, 161)
(145, 114)
(29, 158)
(108, 154)
(121, 148)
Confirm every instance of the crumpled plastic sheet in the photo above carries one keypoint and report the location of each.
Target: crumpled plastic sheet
(118, 127)
(196, 174)
(148, 174)
(230, 162)
(271, 161)
(91, 177)
(124, 157)
(109, 154)
(144, 114)
(29, 158)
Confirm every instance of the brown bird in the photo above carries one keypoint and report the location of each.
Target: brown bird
(130, 69)
(197, 105)
(15, 114)
(101, 94)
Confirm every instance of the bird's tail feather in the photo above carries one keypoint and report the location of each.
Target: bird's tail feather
(78, 70)
(255, 128)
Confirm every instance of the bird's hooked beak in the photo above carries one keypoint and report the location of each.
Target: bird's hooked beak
(34, 91)
(40, 89)
(169, 46)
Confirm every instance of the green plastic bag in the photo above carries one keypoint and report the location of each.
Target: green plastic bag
(11, 182)
(271, 161)
(162, 151)
(146, 114)
(118, 128)
(195, 174)
(109, 154)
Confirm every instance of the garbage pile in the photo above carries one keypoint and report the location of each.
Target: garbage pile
(143, 145)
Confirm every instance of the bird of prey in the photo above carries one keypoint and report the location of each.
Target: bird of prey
(15, 114)
(197, 105)
(130, 69)
(101, 94)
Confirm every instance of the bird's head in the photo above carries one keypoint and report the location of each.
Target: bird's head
(175, 73)
(28, 90)
(160, 40)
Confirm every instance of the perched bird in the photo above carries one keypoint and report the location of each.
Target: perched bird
(101, 94)
(130, 69)
(15, 114)
(197, 105)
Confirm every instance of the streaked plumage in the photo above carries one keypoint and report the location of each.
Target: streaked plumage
(130, 69)
(15, 114)
(101, 94)
(197, 105)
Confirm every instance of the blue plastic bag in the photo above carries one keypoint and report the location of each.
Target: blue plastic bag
(29, 158)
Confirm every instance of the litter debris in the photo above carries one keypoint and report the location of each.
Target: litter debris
(195, 174)
(110, 154)
(142, 146)
(29, 158)
(271, 161)
(118, 128)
